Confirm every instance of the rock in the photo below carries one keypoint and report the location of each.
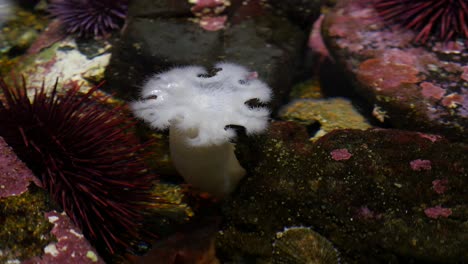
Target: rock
(161, 35)
(15, 176)
(299, 11)
(18, 30)
(398, 193)
(68, 62)
(310, 89)
(326, 114)
(26, 217)
(303, 245)
(423, 88)
(70, 246)
(20, 237)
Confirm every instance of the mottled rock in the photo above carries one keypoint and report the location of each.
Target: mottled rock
(67, 61)
(357, 189)
(70, 245)
(15, 177)
(418, 87)
(161, 35)
(26, 233)
(18, 30)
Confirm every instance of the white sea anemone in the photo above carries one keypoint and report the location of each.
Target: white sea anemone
(198, 111)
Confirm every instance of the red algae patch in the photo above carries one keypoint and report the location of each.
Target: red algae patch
(440, 186)
(340, 154)
(437, 212)
(429, 90)
(15, 177)
(384, 76)
(419, 165)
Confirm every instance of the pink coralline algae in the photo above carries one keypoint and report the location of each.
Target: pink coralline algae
(419, 164)
(71, 246)
(15, 177)
(340, 154)
(438, 211)
(429, 90)
(393, 68)
(385, 75)
(464, 75)
(440, 186)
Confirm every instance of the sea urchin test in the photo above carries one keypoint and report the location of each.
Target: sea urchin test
(199, 110)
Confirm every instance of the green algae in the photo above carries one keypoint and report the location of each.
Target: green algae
(17, 35)
(307, 90)
(333, 113)
(25, 230)
(172, 204)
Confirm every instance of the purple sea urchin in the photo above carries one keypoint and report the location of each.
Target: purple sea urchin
(444, 19)
(89, 17)
(84, 157)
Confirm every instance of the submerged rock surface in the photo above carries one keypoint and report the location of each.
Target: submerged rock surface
(162, 34)
(378, 195)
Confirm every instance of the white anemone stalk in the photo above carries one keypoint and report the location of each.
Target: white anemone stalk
(199, 110)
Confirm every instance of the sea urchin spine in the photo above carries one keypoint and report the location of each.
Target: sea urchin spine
(90, 17)
(84, 157)
(444, 19)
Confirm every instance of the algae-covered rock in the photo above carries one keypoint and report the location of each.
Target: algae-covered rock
(310, 89)
(165, 216)
(302, 245)
(378, 195)
(69, 244)
(422, 87)
(24, 230)
(18, 30)
(30, 230)
(68, 62)
(327, 114)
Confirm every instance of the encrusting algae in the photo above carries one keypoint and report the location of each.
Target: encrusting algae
(302, 245)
